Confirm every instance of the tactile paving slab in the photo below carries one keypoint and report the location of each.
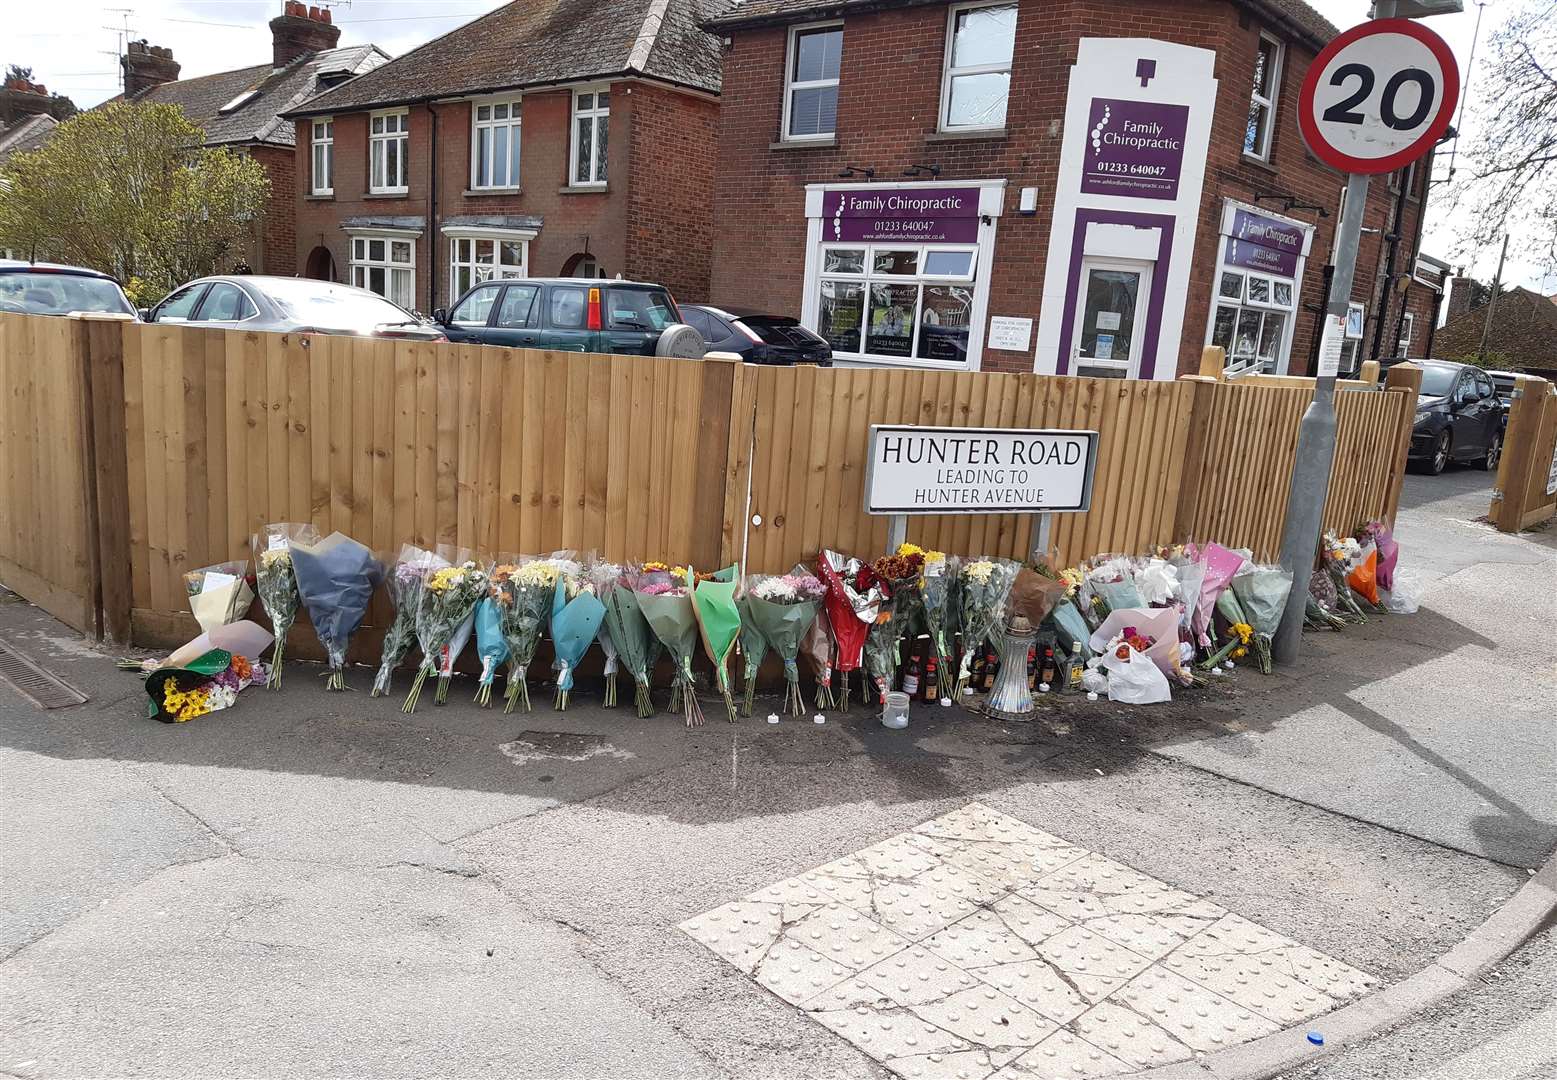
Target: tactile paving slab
(976, 946)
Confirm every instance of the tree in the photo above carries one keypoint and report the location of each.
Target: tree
(1509, 182)
(128, 189)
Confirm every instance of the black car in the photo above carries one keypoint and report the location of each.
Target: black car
(758, 338)
(1458, 418)
(52, 289)
(572, 315)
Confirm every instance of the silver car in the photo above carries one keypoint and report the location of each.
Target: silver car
(289, 306)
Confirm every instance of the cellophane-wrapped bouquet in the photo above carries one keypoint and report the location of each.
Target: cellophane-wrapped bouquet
(853, 600)
(491, 646)
(336, 578)
(219, 594)
(1240, 632)
(901, 576)
(719, 625)
(820, 651)
(403, 583)
(1339, 556)
(666, 603)
(753, 647)
(1321, 602)
(939, 601)
(1108, 585)
(448, 601)
(983, 586)
(277, 585)
(1069, 625)
(629, 631)
(1262, 590)
(576, 614)
(522, 587)
(783, 609)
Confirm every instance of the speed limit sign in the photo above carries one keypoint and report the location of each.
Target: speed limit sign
(1378, 96)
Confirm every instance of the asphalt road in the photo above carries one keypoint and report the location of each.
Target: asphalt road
(316, 884)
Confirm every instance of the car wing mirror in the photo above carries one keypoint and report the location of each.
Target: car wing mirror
(144, 313)
(441, 316)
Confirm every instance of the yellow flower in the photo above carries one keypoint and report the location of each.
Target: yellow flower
(446, 578)
(653, 567)
(1239, 653)
(276, 557)
(1244, 632)
(979, 571)
(1072, 579)
(911, 549)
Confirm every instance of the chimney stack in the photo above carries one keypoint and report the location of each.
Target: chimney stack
(146, 66)
(1461, 292)
(300, 30)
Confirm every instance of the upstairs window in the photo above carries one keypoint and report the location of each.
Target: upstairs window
(591, 126)
(1262, 101)
(389, 136)
(323, 167)
(811, 82)
(977, 81)
(494, 145)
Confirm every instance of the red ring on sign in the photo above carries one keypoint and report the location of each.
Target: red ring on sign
(1440, 123)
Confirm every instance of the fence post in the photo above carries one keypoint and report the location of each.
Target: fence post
(1404, 379)
(738, 457)
(1202, 391)
(107, 490)
(1369, 372)
(1213, 362)
(711, 476)
(1507, 508)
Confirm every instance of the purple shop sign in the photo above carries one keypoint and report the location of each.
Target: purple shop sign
(1134, 148)
(1259, 257)
(1267, 232)
(922, 215)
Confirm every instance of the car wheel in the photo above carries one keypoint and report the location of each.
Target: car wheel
(679, 339)
(1440, 459)
(1489, 462)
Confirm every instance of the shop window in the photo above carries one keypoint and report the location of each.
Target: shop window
(811, 82)
(387, 143)
(976, 83)
(386, 266)
(591, 128)
(494, 145)
(1262, 101)
(913, 304)
(1407, 327)
(1253, 313)
(473, 260)
(322, 146)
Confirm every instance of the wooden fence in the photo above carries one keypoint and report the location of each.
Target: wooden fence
(136, 453)
(1526, 492)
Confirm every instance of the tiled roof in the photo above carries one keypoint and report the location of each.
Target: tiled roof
(28, 133)
(259, 118)
(542, 42)
(1295, 14)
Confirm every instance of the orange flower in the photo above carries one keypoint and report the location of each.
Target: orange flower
(241, 667)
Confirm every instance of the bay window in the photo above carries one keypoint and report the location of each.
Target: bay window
(494, 145)
(322, 168)
(811, 82)
(591, 123)
(1262, 99)
(1253, 314)
(898, 302)
(976, 82)
(474, 259)
(388, 140)
(385, 265)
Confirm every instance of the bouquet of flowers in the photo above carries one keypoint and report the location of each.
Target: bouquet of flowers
(1157, 582)
(277, 585)
(207, 684)
(1263, 592)
(336, 577)
(1220, 565)
(753, 647)
(783, 610)
(491, 647)
(666, 603)
(816, 645)
(1320, 604)
(627, 630)
(404, 584)
(985, 583)
(219, 594)
(523, 589)
(1338, 558)
(1066, 616)
(853, 602)
(1192, 575)
(1240, 634)
(939, 602)
(902, 577)
(576, 614)
(444, 614)
(1109, 584)
(719, 623)
(1379, 535)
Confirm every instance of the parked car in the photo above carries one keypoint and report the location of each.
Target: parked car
(289, 306)
(573, 315)
(756, 337)
(52, 289)
(1504, 382)
(1458, 418)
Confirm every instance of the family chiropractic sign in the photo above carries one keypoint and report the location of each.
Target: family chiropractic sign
(928, 470)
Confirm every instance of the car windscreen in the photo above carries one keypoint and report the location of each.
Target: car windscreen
(60, 294)
(1436, 381)
(328, 306)
(780, 330)
(639, 309)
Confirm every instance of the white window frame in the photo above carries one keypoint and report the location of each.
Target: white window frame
(1351, 344)
(498, 269)
(513, 122)
(1407, 332)
(1269, 103)
(868, 277)
(359, 267)
(790, 86)
(402, 134)
(598, 117)
(948, 72)
(321, 149)
(1244, 301)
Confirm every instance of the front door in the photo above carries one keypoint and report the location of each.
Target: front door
(1111, 318)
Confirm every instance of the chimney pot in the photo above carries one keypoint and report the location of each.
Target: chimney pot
(313, 13)
(325, 17)
(301, 31)
(146, 66)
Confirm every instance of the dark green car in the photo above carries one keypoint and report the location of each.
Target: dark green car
(573, 315)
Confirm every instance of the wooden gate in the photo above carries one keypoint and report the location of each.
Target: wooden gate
(1526, 493)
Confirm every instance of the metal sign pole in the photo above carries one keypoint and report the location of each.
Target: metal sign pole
(897, 532)
(1041, 532)
(1316, 437)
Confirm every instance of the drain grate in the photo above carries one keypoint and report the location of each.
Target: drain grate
(36, 685)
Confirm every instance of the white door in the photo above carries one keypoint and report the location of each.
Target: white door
(1111, 318)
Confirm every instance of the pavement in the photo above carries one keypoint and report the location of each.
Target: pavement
(317, 884)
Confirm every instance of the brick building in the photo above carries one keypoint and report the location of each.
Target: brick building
(240, 110)
(1522, 334)
(547, 138)
(1015, 185)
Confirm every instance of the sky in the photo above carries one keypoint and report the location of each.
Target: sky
(72, 45)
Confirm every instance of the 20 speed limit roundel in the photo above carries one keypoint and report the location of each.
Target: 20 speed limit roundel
(1379, 96)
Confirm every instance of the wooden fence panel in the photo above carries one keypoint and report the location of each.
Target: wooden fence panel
(1529, 459)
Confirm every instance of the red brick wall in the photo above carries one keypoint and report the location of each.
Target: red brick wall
(274, 250)
(670, 227)
(671, 233)
(889, 100)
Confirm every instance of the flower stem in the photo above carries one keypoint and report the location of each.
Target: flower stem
(274, 682)
(416, 691)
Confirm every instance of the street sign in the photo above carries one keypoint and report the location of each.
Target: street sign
(954, 470)
(1378, 97)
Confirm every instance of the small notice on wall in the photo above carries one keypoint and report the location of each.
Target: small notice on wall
(1104, 349)
(1108, 320)
(1330, 345)
(1010, 333)
(1551, 474)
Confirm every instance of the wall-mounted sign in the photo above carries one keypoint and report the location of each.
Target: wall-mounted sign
(1006, 332)
(927, 470)
(920, 214)
(1134, 148)
(1257, 242)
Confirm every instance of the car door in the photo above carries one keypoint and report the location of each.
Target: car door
(223, 306)
(565, 313)
(1491, 406)
(179, 306)
(469, 320)
(722, 337)
(1470, 428)
(517, 318)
